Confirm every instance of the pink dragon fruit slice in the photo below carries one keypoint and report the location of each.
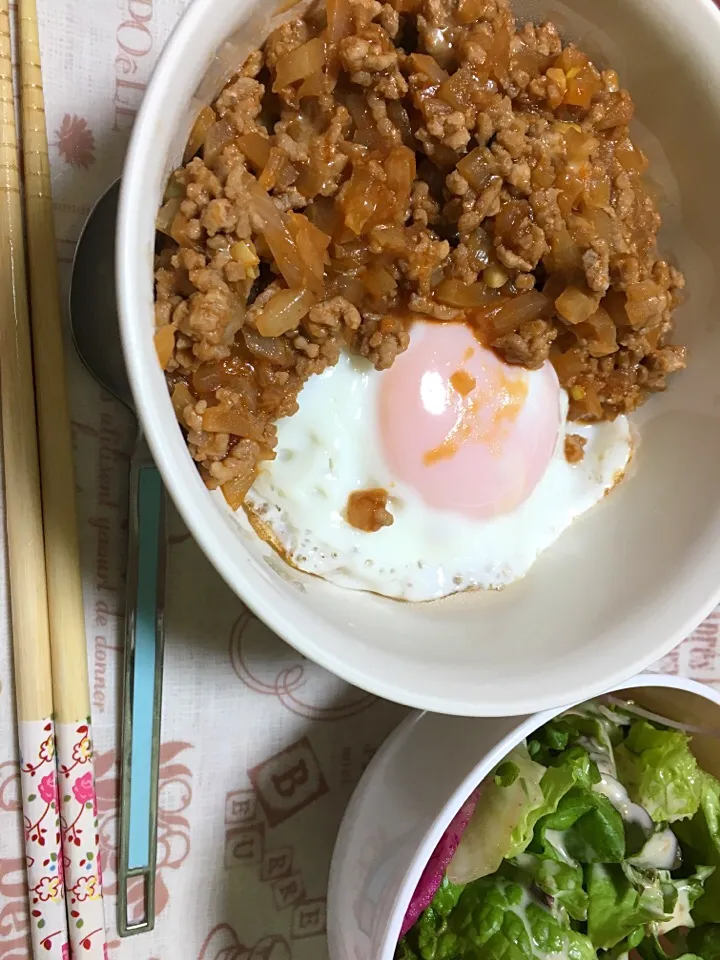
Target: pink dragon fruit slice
(441, 856)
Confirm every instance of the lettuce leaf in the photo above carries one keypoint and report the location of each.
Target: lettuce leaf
(583, 727)
(405, 951)
(585, 828)
(700, 838)
(562, 882)
(497, 918)
(624, 900)
(572, 767)
(705, 941)
(617, 908)
(659, 771)
(652, 949)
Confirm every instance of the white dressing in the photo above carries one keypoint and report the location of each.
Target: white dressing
(659, 853)
(681, 914)
(619, 797)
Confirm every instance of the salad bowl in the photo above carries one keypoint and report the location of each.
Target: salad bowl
(401, 830)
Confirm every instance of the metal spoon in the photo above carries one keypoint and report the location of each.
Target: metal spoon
(93, 312)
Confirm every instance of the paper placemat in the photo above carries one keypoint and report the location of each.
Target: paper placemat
(261, 748)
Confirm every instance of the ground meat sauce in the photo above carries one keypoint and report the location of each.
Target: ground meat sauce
(367, 510)
(574, 447)
(377, 162)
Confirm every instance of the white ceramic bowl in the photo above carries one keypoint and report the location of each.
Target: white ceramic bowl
(418, 781)
(630, 579)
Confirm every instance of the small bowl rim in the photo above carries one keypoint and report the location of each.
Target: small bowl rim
(459, 795)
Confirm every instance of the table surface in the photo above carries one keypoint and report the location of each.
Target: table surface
(260, 748)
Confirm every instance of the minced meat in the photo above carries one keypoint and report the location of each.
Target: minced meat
(389, 161)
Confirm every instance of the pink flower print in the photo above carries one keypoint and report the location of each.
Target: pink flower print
(82, 750)
(75, 141)
(83, 789)
(106, 955)
(86, 888)
(66, 951)
(47, 749)
(49, 888)
(47, 788)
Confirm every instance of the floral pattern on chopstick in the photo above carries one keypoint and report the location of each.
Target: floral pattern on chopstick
(43, 853)
(81, 839)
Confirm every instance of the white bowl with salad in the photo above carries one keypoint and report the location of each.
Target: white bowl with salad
(590, 832)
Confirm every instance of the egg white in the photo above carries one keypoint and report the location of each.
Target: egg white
(331, 448)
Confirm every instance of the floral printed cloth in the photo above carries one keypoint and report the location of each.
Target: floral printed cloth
(261, 749)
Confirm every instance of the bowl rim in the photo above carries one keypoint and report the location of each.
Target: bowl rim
(459, 795)
(296, 624)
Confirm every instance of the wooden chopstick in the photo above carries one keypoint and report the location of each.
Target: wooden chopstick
(62, 554)
(28, 591)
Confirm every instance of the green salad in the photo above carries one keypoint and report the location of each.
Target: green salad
(599, 837)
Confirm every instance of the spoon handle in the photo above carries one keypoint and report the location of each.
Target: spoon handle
(142, 691)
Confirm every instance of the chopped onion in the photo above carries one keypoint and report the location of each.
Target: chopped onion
(324, 214)
(631, 158)
(580, 92)
(390, 237)
(274, 349)
(633, 708)
(206, 118)
(600, 332)
(302, 62)
(361, 199)
(315, 85)
(234, 420)
(213, 374)
(380, 283)
(513, 313)
(619, 113)
(571, 58)
(458, 294)
(278, 171)
(235, 490)
(428, 65)
(479, 247)
(399, 116)
(365, 130)
(165, 344)
(312, 244)
(256, 149)
(646, 303)
(498, 58)
(399, 166)
(338, 17)
(166, 215)
(284, 311)
(352, 288)
(273, 226)
(574, 306)
(565, 255)
(180, 398)
(585, 402)
(310, 181)
(470, 11)
(179, 231)
(580, 146)
(218, 136)
(476, 169)
(568, 365)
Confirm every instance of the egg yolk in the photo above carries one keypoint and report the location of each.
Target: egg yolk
(467, 432)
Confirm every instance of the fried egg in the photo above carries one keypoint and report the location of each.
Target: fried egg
(470, 451)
